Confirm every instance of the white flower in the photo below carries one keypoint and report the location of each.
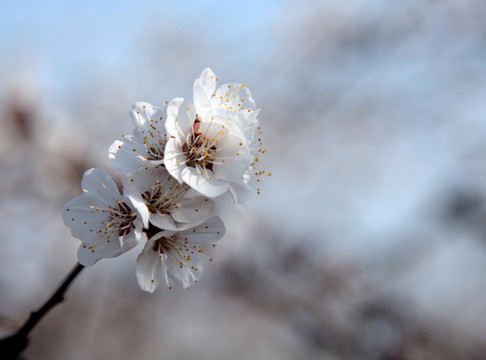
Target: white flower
(145, 147)
(177, 255)
(212, 145)
(204, 151)
(107, 222)
(171, 206)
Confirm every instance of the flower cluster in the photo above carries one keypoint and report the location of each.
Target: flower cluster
(175, 162)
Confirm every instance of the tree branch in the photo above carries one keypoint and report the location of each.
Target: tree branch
(13, 345)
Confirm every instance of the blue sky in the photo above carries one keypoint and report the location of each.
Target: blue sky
(73, 39)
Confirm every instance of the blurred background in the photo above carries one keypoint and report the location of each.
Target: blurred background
(369, 240)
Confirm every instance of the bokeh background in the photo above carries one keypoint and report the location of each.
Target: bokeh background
(369, 240)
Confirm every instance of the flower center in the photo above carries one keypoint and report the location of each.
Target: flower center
(122, 219)
(154, 142)
(162, 197)
(155, 152)
(164, 245)
(199, 149)
(174, 249)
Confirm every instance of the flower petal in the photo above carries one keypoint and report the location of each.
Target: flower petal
(143, 113)
(202, 183)
(205, 233)
(148, 268)
(239, 193)
(130, 153)
(181, 115)
(233, 160)
(163, 221)
(246, 123)
(84, 224)
(203, 90)
(193, 210)
(234, 96)
(122, 156)
(98, 183)
(174, 159)
(182, 273)
(141, 208)
(89, 255)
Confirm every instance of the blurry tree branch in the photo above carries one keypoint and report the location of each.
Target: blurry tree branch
(13, 345)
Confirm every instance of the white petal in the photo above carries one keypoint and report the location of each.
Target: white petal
(79, 205)
(88, 255)
(203, 90)
(127, 155)
(201, 182)
(233, 160)
(99, 184)
(184, 277)
(136, 236)
(137, 182)
(205, 233)
(122, 158)
(213, 125)
(81, 216)
(142, 113)
(139, 205)
(239, 193)
(245, 122)
(131, 152)
(235, 97)
(181, 115)
(251, 124)
(148, 268)
(163, 222)
(207, 81)
(219, 122)
(174, 159)
(193, 210)
(161, 234)
(84, 224)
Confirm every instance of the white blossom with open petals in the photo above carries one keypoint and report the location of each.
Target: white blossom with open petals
(177, 255)
(171, 206)
(216, 141)
(204, 151)
(107, 223)
(173, 163)
(146, 146)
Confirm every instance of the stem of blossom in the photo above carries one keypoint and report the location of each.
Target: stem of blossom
(13, 345)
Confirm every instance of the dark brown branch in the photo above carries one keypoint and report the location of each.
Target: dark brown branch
(13, 345)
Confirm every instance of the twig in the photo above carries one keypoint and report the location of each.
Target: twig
(13, 345)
